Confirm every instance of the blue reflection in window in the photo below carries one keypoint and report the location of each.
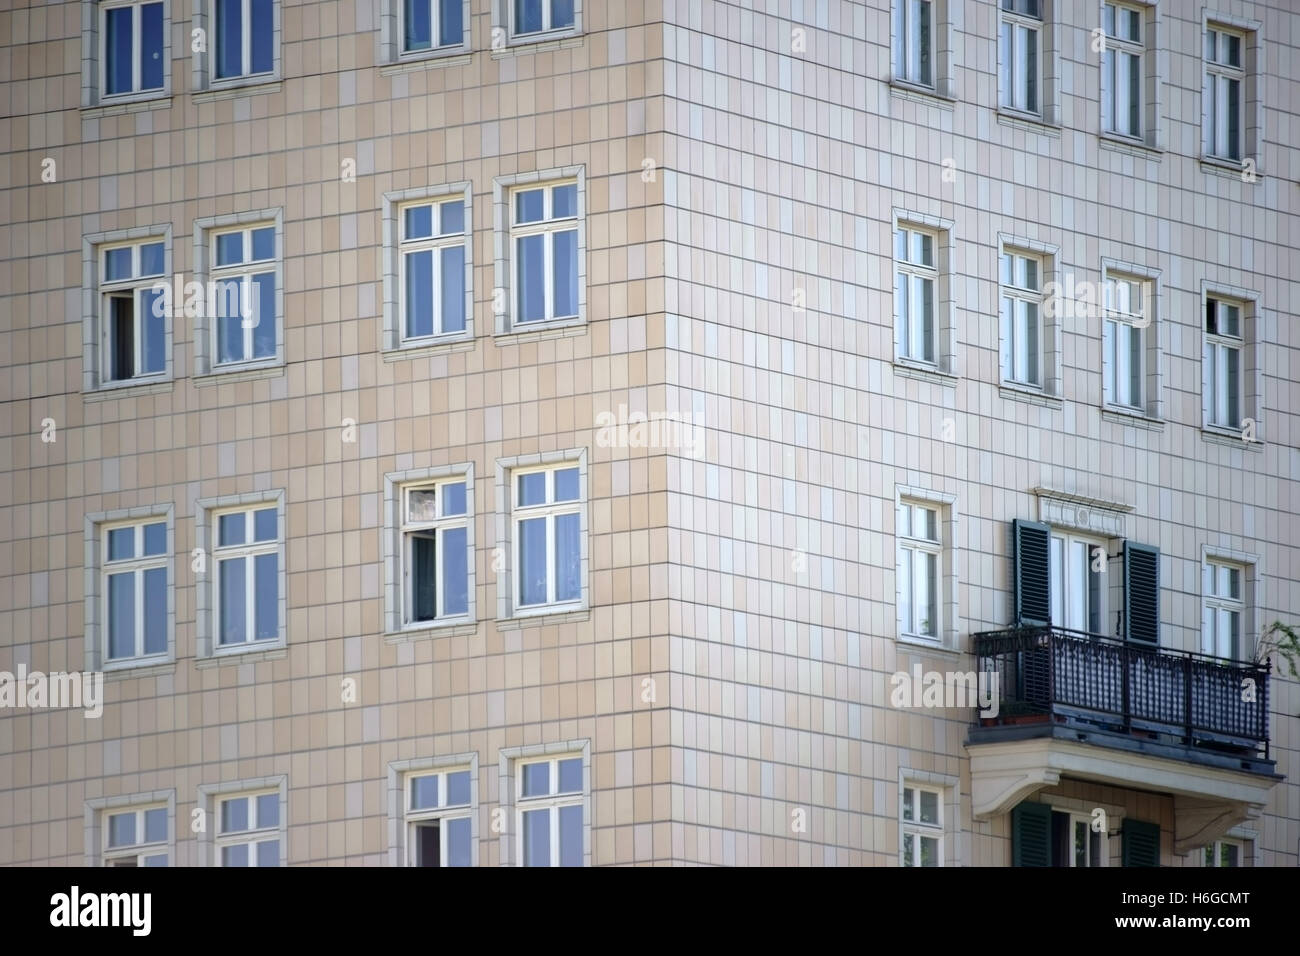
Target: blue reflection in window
(117, 264)
(528, 16)
(117, 50)
(568, 562)
(263, 314)
(566, 273)
(453, 289)
(416, 29)
(532, 558)
(268, 593)
(233, 598)
(419, 294)
(151, 46)
(152, 255)
(532, 278)
(155, 611)
(451, 31)
(263, 39)
(455, 571)
(230, 46)
(121, 615)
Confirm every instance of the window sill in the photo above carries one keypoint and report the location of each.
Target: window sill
(252, 655)
(924, 373)
(1231, 438)
(446, 629)
(230, 91)
(131, 670)
(1025, 393)
(1130, 145)
(407, 352)
(539, 331)
(1124, 416)
(455, 56)
(1232, 169)
(109, 392)
(1031, 122)
(543, 43)
(922, 644)
(239, 375)
(535, 618)
(918, 93)
(137, 103)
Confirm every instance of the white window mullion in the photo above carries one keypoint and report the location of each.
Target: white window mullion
(137, 51)
(246, 42)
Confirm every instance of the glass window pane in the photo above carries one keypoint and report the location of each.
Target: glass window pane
(230, 528)
(571, 836)
(264, 524)
(423, 580)
(455, 571)
(418, 222)
(158, 859)
(1031, 76)
(121, 615)
(264, 243)
(530, 205)
(565, 272)
(1232, 357)
(229, 316)
(234, 815)
(570, 773)
(152, 257)
(929, 851)
(458, 788)
(268, 810)
(909, 854)
(268, 597)
(450, 27)
(927, 595)
(268, 853)
(564, 201)
(117, 46)
(537, 838)
(532, 278)
(117, 264)
(1233, 49)
(422, 504)
(459, 838)
(263, 35)
(532, 488)
(155, 611)
(900, 245)
(417, 31)
(121, 543)
(532, 558)
(905, 591)
(419, 294)
(234, 855)
(568, 558)
(453, 498)
(121, 829)
(451, 215)
(908, 800)
(537, 779)
(263, 315)
(155, 825)
(230, 248)
(566, 484)
(528, 16)
(424, 792)
(453, 289)
(1233, 107)
(561, 14)
(234, 601)
(1211, 37)
(153, 331)
(1108, 19)
(151, 47)
(929, 807)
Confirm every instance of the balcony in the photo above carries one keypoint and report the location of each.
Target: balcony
(1093, 708)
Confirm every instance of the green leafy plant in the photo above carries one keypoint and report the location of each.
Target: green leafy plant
(1283, 640)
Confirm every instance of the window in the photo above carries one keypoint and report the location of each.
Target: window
(1020, 49)
(1125, 326)
(915, 282)
(1077, 586)
(1221, 614)
(919, 568)
(132, 51)
(244, 324)
(430, 24)
(134, 564)
(1076, 842)
(247, 559)
(1021, 277)
(1224, 853)
(1122, 72)
(533, 17)
(133, 310)
(547, 517)
(1223, 363)
(433, 270)
(249, 830)
(435, 552)
(136, 837)
(1042, 835)
(1225, 92)
(914, 33)
(244, 38)
(439, 828)
(550, 811)
(921, 826)
(544, 238)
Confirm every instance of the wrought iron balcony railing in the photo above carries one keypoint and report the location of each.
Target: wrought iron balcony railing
(1206, 702)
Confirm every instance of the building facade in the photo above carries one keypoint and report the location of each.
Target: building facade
(538, 431)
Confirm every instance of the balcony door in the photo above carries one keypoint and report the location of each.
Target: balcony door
(1076, 574)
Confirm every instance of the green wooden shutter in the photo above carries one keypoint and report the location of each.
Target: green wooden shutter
(1031, 571)
(1141, 843)
(1031, 835)
(1141, 593)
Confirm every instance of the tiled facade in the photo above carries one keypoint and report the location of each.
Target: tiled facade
(725, 679)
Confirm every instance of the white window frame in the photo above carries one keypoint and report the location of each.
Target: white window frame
(96, 317)
(437, 526)
(548, 227)
(548, 29)
(102, 47)
(1215, 605)
(245, 270)
(913, 271)
(911, 551)
(245, 74)
(550, 510)
(1217, 345)
(255, 833)
(1115, 47)
(1215, 850)
(95, 826)
(413, 819)
(1077, 817)
(1016, 297)
(435, 244)
(248, 552)
(1013, 76)
(435, 30)
(1065, 574)
(136, 566)
(551, 802)
(1218, 73)
(1116, 360)
(141, 848)
(914, 829)
(135, 284)
(907, 42)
